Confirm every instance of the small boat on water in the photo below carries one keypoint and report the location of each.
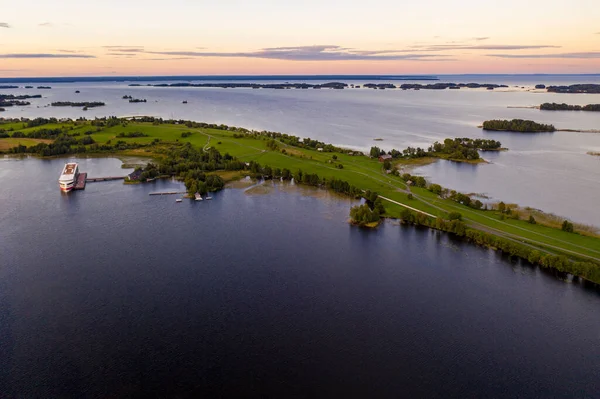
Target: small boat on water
(178, 200)
(198, 197)
(208, 198)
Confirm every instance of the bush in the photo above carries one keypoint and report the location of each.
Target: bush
(454, 216)
(567, 226)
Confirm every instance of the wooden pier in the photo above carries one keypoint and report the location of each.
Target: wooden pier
(109, 178)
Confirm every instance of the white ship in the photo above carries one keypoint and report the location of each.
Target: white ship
(68, 177)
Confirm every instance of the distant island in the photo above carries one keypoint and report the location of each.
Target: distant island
(578, 88)
(10, 100)
(517, 125)
(443, 86)
(9, 87)
(330, 85)
(44, 87)
(78, 104)
(567, 107)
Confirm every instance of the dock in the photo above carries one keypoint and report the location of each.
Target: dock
(80, 183)
(168, 192)
(109, 178)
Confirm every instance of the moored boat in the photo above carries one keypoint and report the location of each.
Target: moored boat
(198, 197)
(68, 177)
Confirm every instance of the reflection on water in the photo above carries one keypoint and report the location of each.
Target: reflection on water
(110, 292)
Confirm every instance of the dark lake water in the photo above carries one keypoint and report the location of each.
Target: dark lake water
(110, 292)
(549, 171)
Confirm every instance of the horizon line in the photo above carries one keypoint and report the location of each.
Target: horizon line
(67, 79)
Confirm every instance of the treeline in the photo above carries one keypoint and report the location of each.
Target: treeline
(369, 212)
(588, 270)
(132, 134)
(40, 134)
(517, 125)
(65, 144)
(456, 149)
(87, 104)
(567, 107)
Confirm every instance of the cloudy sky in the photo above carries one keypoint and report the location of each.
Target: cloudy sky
(135, 37)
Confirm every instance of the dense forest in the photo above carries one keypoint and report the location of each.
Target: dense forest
(567, 107)
(517, 125)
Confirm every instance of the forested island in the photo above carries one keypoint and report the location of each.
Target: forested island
(567, 107)
(87, 104)
(330, 85)
(577, 88)
(8, 87)
(10, 100)
(443, 86)
(458, 149)
(205, 156)
(137, 100)
(517, 125)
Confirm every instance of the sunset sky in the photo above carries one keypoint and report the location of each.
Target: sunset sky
(201, 37)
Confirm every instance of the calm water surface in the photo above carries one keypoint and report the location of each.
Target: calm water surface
(110, 292)
(550, 171)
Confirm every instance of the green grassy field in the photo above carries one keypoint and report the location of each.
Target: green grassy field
(359, 170)
(10, 142)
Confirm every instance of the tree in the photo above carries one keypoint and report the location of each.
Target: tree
(567, 226)
(387, 165)
(410, 196)
(375, 152)
(477, 204)
(334, 157)
(532, 220)
(501, 206)
(435, 188)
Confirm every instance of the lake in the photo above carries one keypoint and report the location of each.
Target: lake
(110, 292)
(550, 171)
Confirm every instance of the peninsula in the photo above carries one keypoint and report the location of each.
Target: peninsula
(205, 156)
